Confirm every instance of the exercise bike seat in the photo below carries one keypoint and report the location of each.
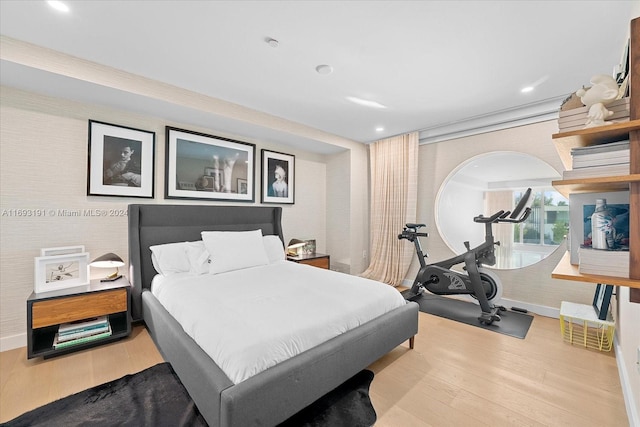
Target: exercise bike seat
(411, 225)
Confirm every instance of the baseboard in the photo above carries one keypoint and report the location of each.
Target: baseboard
(633, 411)
(12, 342)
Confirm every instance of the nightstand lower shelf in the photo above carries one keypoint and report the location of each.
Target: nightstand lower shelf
(47, 311)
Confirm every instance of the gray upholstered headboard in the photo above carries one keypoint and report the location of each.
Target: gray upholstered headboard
(157, 224)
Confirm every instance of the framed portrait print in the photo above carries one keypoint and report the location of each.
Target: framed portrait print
(121, 161)
(601, 300)
(207, 167)
(61, 272)
(278, 177)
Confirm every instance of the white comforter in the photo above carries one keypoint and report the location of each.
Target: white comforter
(249, 320)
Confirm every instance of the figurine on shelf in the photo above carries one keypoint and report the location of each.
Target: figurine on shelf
(603, 91)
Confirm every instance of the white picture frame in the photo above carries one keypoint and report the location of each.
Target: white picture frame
(61, 272)
(62, 250)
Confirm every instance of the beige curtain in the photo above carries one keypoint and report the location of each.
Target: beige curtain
(503, 233)
(394, 175)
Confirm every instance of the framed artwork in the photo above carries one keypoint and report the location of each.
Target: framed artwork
(207, 167)
(242, 186)
(61, 272)
(121, 161)
(601, 300)
(581, 206)
(278, 177)
(63, 250)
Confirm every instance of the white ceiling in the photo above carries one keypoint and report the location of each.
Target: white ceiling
(430, 63)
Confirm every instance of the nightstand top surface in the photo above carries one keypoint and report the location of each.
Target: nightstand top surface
(306, 256)
(93, 286)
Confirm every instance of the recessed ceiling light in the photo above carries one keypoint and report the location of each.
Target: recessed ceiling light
(379, 129)
(527, 89)
(58, 5)
(365, 102)
(272, 42)
(324, 69)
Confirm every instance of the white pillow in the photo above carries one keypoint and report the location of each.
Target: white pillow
(234, 250)
(199, 257)
(274, 248)
(170, 258)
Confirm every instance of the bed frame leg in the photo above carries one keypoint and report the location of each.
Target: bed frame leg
(411, 342)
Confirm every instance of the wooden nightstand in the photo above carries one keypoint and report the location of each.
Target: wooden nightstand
(317, 260)
(46, 311)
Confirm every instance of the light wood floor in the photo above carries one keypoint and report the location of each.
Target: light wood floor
(457, 375)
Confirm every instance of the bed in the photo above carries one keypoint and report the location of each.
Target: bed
(271, 395)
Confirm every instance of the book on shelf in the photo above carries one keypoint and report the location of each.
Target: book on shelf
(92, 330)
(589, 163)
(604, 262)
(607, 148)
(84, 324)
(601, 154)
(597, 171)
(576, 118)
(57, 344)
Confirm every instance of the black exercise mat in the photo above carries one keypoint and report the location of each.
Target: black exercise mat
(512, 323)
(156, 397)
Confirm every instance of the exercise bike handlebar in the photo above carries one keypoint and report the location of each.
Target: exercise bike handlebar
(508, 216)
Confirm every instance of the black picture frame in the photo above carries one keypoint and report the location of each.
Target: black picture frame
(278, 177)
(207, 167)
(601, 300)
(111, 172)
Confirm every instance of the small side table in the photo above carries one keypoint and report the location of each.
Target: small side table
(580, 325)
(316, 260)
(48, 310)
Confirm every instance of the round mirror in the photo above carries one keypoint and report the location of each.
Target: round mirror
(496, 181)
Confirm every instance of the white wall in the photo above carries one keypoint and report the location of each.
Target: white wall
(43, 150)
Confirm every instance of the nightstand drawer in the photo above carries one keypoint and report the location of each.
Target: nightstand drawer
(69, 309)
(317, 262)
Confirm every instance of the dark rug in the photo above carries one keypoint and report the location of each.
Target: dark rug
(156, 397)
(511, 322)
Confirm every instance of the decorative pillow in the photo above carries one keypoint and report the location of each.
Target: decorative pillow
(274, 248)
(234, 250)
(170, 258)
(199, 257)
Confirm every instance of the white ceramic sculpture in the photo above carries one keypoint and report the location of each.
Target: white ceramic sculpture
(603, 91)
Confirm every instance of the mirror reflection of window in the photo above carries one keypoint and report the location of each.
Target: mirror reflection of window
(488, 183)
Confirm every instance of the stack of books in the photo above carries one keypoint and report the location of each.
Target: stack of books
(604, 262)
(74, 333)
(610, 159)
(576, 118)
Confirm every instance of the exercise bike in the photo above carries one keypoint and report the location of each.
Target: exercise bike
(439, 279)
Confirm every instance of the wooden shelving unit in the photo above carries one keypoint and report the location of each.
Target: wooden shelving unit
(564, 142)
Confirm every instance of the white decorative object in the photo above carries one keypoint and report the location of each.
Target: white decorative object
(603, 91)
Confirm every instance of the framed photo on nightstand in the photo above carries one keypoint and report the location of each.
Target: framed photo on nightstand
(61, 272)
